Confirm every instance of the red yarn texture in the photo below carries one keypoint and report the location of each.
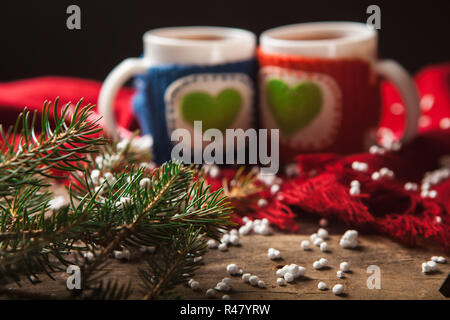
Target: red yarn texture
(322, 188)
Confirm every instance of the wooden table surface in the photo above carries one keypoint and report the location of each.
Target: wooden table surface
(401, 276)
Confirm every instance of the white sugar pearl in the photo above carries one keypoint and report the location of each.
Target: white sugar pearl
(301, 271)
(253, 280)
(323, 222)
(233, 269)
(289, 277)
(261, 284)
(318, 241)
(344, 266)
(280, 272)
(210, 293)
(214, 171)
(340, 274)
(411, 186)
(317, 265)
(244, 230)
(355, 183)
(324, 247)
(262, 202)
(354, 191)
(432, 265)
(441, 260)
(338, 289)
(281, 282)
(225, 297)
(212, 244)
(432, 194)
(426, 268)
(323, 262)
(223, 247)
(234, 239)
(195, 285)
(227, 281)
(385, 172)
(313, 237)
(376, 176)
(225, 238)
(274, 188)
(322, 233)
(144, 183)
(222, 287)
(322, 285)
(305, 245)
(246, 277)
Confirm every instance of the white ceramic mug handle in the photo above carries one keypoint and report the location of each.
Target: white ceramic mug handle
(394, 72)
(115, 79)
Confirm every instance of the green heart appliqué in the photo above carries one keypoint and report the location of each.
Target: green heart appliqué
(214, 112)
(293, 108)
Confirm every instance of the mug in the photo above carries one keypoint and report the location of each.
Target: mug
(319, 85)
(187, 74)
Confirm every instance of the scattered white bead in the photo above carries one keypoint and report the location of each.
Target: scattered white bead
(210, 293)
(322, 285)
(441, 260)
(340, 274)
(313, 237)
(109, 178)
(305, 245)
(214, 171)
(385, 172)
(262, 202)
(273, 254)
(426, 268)
(376, 150)
(376, 176)
(274, 188)
(233, 269)
(322, 233)
(438, 219)
(323, 262)
(349, 239)
(432, 265)
(223, 247)
(323, 222)
(144, 183)
(253, 280)
(355, 183)
(289, 277)
(338, 289)
(324, 247)
(359, 166)
(281, 282)
(212, 244)
(344, 266)
(318, 241)
(317, 265)
(195, 285)
(261, 284)
(225, 297)
(411, 186)
(246, 277)
(234, 240)
(58, 203)
(354, 191)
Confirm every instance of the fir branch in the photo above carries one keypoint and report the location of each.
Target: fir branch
(164, 274)
(60, 146)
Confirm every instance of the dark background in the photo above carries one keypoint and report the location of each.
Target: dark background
(35, 40)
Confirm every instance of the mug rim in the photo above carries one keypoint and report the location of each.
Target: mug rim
(357, 40)
(159, 36)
